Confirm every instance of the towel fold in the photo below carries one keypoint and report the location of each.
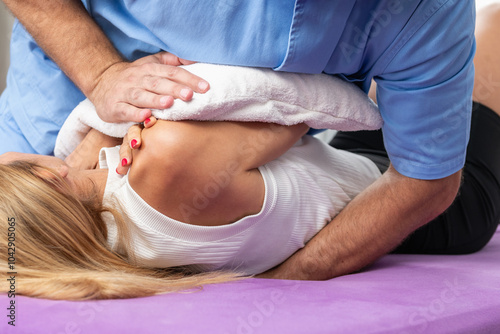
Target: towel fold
(247, 94)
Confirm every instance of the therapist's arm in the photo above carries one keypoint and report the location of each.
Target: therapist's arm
(373, 224)
(394, 206)
(121, 91)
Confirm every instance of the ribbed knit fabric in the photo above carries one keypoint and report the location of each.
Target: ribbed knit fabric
(305, 188)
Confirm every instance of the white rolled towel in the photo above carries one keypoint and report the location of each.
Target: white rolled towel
(247, 94)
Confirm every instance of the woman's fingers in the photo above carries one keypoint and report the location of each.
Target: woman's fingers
(132, 141)
(125, 157)
(149, 122)
(134, 137)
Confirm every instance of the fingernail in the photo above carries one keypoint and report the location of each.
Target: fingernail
(202, 85)
(117, 172)
(133, 142)
(185, 92)
(145, 113)
(164, 100)
(147, 120)
(124, 162)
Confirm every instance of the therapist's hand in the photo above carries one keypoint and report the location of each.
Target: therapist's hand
(132, 141)
(128, 91)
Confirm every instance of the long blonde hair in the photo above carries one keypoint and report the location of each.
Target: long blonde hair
(61, 249)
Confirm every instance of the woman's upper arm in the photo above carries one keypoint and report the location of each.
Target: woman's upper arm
(260, 143)
(209, 146)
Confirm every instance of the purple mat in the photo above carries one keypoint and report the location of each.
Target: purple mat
(398, 294)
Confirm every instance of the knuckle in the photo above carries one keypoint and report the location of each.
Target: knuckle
(155, 83)
(172, 71)
(135, 94)
(135, 131)
(130, 77)
(121, 114)
(147, 67)
(123, 149)
(151, 83)
(132, 134)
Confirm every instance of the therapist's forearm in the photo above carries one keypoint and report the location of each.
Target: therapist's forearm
(69, 36)
(373, 224)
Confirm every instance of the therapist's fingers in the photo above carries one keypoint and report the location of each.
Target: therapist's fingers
(129, 91)
(168, 58)
(165, 80)
(197, 84)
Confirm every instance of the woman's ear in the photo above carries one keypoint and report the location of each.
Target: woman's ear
(53, 177)
(45, 174)
(63, 171)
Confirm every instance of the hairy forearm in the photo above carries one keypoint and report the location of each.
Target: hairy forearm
(373, 224)
(69, 36)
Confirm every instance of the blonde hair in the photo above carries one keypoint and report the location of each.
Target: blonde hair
(61, 249)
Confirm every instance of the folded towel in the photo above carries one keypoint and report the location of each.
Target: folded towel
(247, 94)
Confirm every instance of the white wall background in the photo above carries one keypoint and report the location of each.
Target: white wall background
(6, 21)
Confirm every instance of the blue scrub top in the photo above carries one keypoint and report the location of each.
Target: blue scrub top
(419, 52)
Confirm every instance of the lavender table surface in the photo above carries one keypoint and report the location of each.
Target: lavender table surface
(398, 294)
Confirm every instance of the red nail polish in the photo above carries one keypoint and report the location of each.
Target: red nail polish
(124, 162)
(116, 170)
(147, 120)
(133, 143)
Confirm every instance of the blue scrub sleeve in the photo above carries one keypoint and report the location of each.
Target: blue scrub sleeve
(425, 92)
(38, 97)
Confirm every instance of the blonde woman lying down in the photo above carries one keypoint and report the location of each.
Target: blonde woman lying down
(202, 202)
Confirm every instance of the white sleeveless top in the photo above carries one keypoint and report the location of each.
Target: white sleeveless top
(304, 189)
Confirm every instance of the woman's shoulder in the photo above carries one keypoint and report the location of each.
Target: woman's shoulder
(181, 168)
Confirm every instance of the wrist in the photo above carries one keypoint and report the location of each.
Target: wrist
(70, 37)
(92, 82)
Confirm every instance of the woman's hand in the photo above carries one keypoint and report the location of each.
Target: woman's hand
(128, 91)
(132, 141)
(86, 154)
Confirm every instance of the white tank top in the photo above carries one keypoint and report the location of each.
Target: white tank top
(304, 189)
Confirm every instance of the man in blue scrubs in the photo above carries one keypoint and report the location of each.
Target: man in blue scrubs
(419, 52)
